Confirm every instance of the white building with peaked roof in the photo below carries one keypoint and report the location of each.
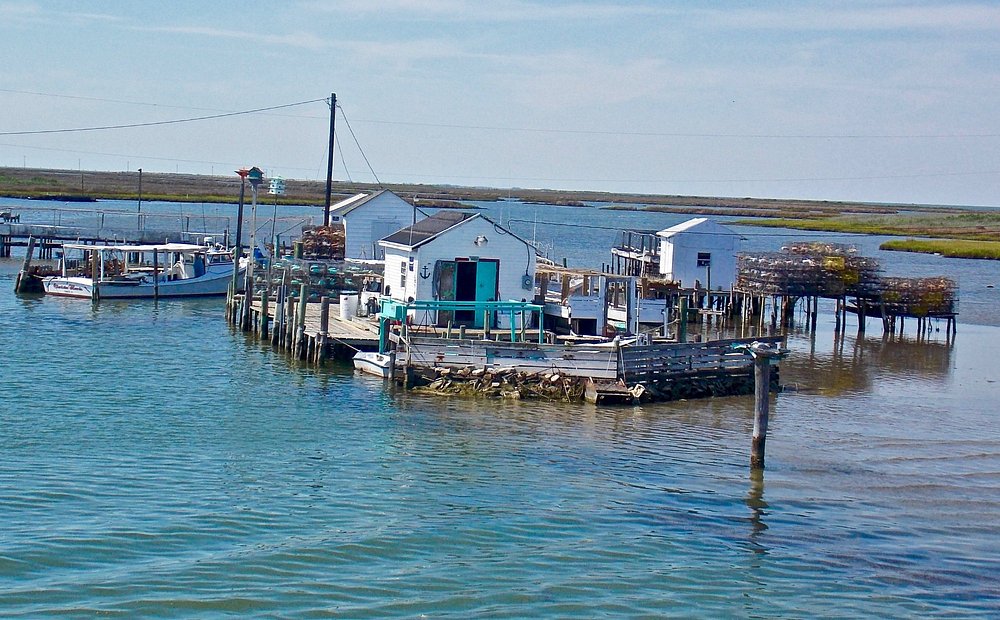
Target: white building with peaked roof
(367, 218)
(458, 256)
(699, 252)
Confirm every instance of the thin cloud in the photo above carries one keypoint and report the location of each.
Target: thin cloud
(26, 12)
(887, 18)
(477, 11)
(298, 39)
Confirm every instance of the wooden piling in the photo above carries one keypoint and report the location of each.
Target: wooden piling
(156, 275)
(682, 319)
(263, 314)
(20, 285)
(300, 321)
(288, 330)
(761, 399)
(324, 329)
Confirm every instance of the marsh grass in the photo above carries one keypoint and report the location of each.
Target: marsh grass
(952, 248)
(968, 225)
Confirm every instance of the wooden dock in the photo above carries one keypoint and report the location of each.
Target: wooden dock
(311, 331)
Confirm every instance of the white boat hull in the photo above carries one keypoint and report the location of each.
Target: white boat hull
(377, 364)
(212, 283)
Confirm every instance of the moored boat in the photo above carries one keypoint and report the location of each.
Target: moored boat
(370, 362)
(142, 271)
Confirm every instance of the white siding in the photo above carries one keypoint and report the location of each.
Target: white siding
(365, 225)
(515, 258)
(679, 256)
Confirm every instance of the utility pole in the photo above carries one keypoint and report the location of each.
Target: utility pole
(139, 210)
(329, 160)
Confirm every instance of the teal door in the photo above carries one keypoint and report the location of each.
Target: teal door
(487, 272)
(466, 280)
(486, 280)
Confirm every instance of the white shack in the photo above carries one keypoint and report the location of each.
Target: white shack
(699, 252)
(458, 256)
(367, 218)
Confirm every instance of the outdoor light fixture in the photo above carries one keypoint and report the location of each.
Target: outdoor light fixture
(481, 240)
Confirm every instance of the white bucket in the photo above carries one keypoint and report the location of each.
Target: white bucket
(348, 305)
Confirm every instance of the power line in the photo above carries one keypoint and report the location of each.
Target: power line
(155, 123)
(146, 157)
(596, 132)
(679, 134)
(346, 122)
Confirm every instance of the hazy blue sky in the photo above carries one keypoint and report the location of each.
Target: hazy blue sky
(876, 100)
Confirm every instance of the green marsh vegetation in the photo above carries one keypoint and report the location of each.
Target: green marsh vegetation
(952, 248)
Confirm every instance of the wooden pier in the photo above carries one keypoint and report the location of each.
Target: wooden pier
(52, 226)
(314, 332)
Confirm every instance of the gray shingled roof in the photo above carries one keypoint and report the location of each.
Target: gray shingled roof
(342, 211)
(428, 228)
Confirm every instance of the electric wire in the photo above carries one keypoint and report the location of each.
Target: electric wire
(348, 123)
(343, 162)
(35, 132)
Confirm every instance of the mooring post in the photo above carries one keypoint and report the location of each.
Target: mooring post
(264, 319)
(289, 323)
(324, 328)
(682, 319)
(762, 354)
(300, 323)
(156, 276)
(248, 287)
(761, 409)
(22, 276)
(324, 314)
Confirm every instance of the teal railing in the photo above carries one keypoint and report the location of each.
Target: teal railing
(394, 310)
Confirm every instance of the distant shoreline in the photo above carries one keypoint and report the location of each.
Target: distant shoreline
(978, 228)
(181, 187)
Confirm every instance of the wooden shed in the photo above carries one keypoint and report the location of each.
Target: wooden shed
(458, 256)
(366, 218)
(699, 253)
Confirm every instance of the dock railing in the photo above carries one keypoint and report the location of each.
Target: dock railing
(398, 311)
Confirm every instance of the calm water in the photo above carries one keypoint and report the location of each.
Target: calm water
(154, 463)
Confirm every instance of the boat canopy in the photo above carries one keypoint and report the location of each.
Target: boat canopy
(163, 247)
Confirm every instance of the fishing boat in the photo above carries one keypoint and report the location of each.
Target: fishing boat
(370, 362)
(142, 271)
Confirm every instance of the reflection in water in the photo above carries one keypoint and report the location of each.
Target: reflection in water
(856, 363)
(758, 508)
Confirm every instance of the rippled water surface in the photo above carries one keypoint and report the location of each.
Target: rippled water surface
(154, 463)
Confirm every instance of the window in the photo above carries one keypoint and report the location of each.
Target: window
(402, 276)
(704, 259)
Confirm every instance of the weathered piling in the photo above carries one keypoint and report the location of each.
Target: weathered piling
(682, 321)
(21, 284)
(300, 322)
(156, 275)
(264, 297)
(761, 410)
(762, 354)
(324, 329)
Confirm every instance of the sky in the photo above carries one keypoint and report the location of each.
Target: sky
(874, 100)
